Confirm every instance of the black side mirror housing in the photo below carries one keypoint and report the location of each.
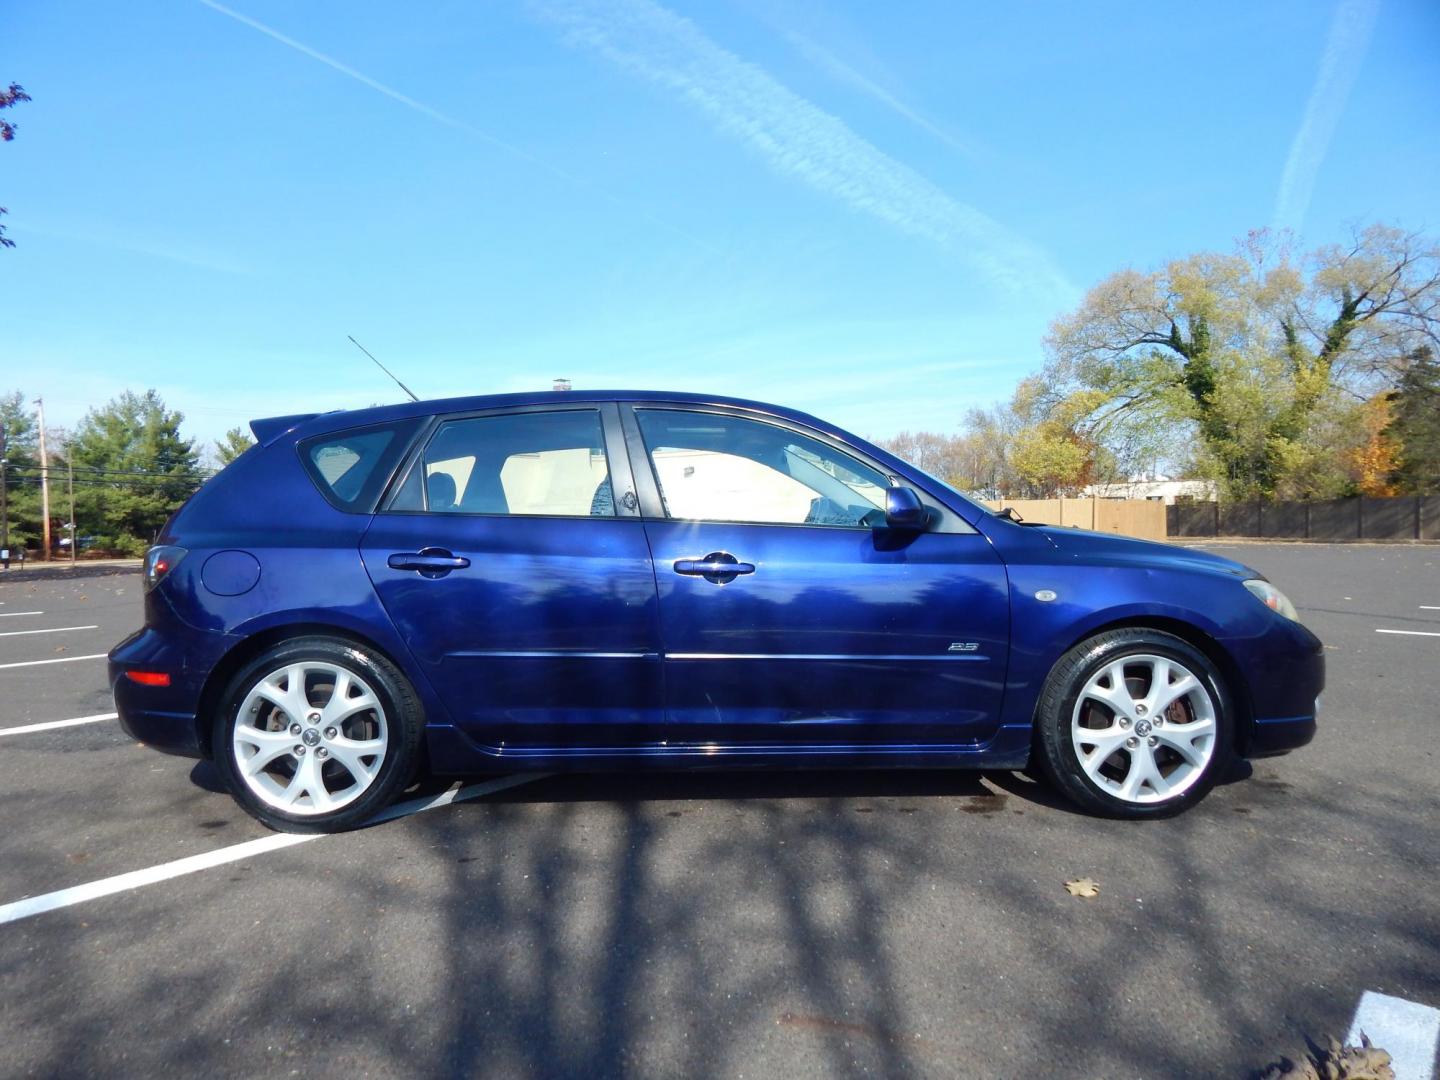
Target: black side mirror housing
(904, 510)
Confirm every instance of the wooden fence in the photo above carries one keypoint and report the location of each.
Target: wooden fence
(1128, 517)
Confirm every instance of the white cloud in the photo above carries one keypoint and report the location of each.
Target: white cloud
(797, 138)
(1345, 48)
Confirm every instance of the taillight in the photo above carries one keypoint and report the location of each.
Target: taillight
(149, 678)
(159, 561)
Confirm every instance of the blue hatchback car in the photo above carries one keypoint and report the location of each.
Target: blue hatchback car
(642, 580)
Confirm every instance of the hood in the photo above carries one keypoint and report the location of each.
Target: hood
(1109, 549)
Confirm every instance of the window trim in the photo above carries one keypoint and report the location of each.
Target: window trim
(616, 459)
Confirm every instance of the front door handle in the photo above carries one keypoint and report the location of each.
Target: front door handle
(718, 568)
(430, 562)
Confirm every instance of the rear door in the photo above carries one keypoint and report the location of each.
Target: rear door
(513, 561)
(830, 629)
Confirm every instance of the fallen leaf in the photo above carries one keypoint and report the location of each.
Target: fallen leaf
(1083, 887)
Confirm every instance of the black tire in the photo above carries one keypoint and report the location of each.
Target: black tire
(1055, 713)
(404, 721)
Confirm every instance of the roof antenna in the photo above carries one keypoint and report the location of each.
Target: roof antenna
(382, 367)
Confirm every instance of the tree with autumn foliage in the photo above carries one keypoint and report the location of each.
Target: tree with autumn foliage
(1374, 461)
(1256, 359)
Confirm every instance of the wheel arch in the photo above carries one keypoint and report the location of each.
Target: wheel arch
(1217, 654)
(255, 644)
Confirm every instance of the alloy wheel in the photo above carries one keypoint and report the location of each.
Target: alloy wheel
(310, 738)
(1144, 728)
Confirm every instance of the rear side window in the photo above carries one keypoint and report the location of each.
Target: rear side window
(351, 467)
(539, 463)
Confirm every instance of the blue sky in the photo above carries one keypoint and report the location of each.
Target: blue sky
(868, 211)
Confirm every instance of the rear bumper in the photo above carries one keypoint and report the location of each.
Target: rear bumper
(163, 717)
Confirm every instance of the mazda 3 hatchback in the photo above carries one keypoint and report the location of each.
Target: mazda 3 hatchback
(642, 580)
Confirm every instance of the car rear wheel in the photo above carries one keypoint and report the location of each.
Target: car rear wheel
(1135, 723)
(317, 734)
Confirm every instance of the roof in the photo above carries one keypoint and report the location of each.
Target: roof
(331, 421)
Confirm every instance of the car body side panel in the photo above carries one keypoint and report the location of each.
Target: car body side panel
(1099, 581)
(547, 637)
(310, 575)
(838, 636)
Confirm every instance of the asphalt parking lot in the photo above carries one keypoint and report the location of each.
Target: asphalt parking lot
(821, 924)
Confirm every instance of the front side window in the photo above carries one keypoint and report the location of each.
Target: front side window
(713, 467)
(547, 463)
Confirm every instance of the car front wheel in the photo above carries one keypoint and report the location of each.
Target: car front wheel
(316, 735)
(1135, 723)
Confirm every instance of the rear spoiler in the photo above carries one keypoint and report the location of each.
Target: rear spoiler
(271, 428)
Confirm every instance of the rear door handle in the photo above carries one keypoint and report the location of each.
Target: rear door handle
(430, 562)
(717, 568)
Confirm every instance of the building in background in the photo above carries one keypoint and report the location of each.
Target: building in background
(1156, 489)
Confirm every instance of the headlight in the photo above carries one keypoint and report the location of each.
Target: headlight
(1272, 598)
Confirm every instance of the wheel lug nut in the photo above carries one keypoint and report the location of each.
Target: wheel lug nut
(294, 729)
(299, 750)
(330, 733)
(1131, 743)
(314, 718)
(322, 753)
(1154, 741)
(1124, 721)
(1139, 710)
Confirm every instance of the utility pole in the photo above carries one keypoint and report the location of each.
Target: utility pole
(70, 485)
(44, 483)
(4, 505)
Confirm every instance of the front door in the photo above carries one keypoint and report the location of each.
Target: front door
(790, 614)
(514, 563)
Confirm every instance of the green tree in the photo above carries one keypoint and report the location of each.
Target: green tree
(1415, 425)
(1253, 352)
(22, 473)
(133, 468)
(8, 98)
(235, 443)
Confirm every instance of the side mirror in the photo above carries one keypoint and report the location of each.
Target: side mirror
(904, 510)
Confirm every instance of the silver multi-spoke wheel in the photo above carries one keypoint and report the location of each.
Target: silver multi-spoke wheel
(1144, 728)
(310, 738)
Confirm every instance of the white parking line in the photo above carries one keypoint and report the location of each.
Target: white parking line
(1430, 607)
(49, 725)
(136, 879)
(1412, 633)
(1407, 1031)
(57, 660)
(51, 630)
(12, 614)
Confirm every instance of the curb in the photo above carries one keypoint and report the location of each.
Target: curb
(52, 572)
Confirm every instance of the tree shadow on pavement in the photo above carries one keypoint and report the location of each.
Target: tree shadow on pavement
(714, 925)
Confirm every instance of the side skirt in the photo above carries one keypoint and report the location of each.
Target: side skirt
(451, 752)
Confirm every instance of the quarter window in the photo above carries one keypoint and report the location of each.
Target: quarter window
(350, 467)
(713, 467)
(547, 463)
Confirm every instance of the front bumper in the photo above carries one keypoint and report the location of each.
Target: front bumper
(1285, 692)
(1277, 736)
